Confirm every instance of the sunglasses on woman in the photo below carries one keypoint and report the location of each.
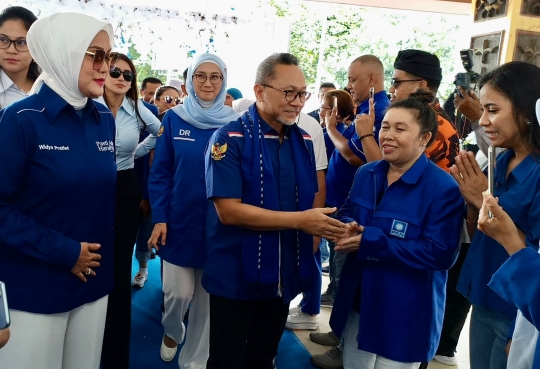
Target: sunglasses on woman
(169, 99)
(101, 57)
(116, 72)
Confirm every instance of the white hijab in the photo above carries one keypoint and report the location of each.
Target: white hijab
(58, 44)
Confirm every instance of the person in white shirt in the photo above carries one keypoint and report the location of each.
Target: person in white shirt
(18, 70)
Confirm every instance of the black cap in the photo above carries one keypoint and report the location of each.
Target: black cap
(419, 63)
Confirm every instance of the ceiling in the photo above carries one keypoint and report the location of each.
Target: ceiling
(437, 6)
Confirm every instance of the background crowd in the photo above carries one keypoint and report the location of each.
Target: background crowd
(243, 199)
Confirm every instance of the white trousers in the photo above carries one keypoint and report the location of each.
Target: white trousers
(353, 358)
(182, 287)
(70, 340)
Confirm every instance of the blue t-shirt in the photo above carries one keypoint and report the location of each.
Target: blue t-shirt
(410, 239)
(519, 195)
(340, 174)
(224, 179)
(57, 189)
(328, 141)
(177, 190)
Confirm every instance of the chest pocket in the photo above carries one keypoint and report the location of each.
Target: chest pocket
(399, 225)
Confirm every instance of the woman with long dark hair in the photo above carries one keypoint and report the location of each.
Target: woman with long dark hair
(18, 71)
(131, 117)
(508, 96)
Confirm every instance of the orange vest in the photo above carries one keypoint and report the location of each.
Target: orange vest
(445, 147)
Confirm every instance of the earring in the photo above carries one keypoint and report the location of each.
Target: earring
(529, 123)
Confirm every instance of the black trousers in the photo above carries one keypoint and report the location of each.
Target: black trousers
(115, 353)
(244, 334)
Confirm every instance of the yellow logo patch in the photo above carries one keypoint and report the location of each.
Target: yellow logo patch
(160, 132)
(218, 151)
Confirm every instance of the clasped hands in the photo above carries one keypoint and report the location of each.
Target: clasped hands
(350, 241)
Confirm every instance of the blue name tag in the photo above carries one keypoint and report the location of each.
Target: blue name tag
(399, 228)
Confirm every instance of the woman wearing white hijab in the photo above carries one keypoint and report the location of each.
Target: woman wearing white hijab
(180, 231)
(57, 199)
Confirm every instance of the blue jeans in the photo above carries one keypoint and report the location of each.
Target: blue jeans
(337, 259)
(488, 337)
(325, 251)
(142, 254)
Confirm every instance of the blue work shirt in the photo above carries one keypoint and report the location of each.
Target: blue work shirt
(57, 189)
(222, 274)
(518, 282)
(142, 165)
(340, 175)
(128, 130)
(177, 191)
(341, 127)
(411, 238)
(519, 195)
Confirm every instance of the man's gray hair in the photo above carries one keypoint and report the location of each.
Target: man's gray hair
(267, 68)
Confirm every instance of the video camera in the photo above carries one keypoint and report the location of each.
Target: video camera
(465, 79)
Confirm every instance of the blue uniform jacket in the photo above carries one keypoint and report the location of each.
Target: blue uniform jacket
(340, 174)
(57, 189)
(519, 195)
(177, 190)
(410, 240)
(518, 282)
(222, 275)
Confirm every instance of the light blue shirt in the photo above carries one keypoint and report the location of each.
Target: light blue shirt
(128, 128)
(9, 91)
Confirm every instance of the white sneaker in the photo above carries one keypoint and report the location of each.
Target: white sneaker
(446, 360)
(139, 279)
(295, 310)
(167, 353)
(302, 320)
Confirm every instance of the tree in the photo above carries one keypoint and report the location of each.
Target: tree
(353, 31)
(143, 66)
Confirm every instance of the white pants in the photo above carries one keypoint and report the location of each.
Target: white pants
(181, 287)
(70, 340)
(353, 358)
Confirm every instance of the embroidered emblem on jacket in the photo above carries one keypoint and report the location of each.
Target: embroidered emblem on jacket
(218, 151)
(399, 228)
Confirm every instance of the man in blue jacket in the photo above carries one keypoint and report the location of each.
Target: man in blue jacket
(261, 177)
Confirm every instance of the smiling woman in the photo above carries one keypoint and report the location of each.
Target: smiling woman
(56, 148)
(17, 69)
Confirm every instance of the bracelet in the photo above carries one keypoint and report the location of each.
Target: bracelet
(364, 136)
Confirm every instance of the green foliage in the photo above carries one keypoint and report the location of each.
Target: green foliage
(143, 66)
(352, 31)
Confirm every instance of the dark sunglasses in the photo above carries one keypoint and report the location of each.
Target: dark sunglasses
(116, 72)
(169, 99)
(101, 57)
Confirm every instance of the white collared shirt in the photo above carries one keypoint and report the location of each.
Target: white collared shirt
(9, 91)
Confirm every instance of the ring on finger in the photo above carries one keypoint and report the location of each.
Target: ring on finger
(88, 271)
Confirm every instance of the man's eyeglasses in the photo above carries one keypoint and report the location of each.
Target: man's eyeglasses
(20, 44)
(395, 82)
(100, 57)
(169, 99)
(214, 78)
(291, 95)
(116, 72)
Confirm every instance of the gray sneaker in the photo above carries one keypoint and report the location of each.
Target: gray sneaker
(331, 359)
(325, 339)
(327, 300)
